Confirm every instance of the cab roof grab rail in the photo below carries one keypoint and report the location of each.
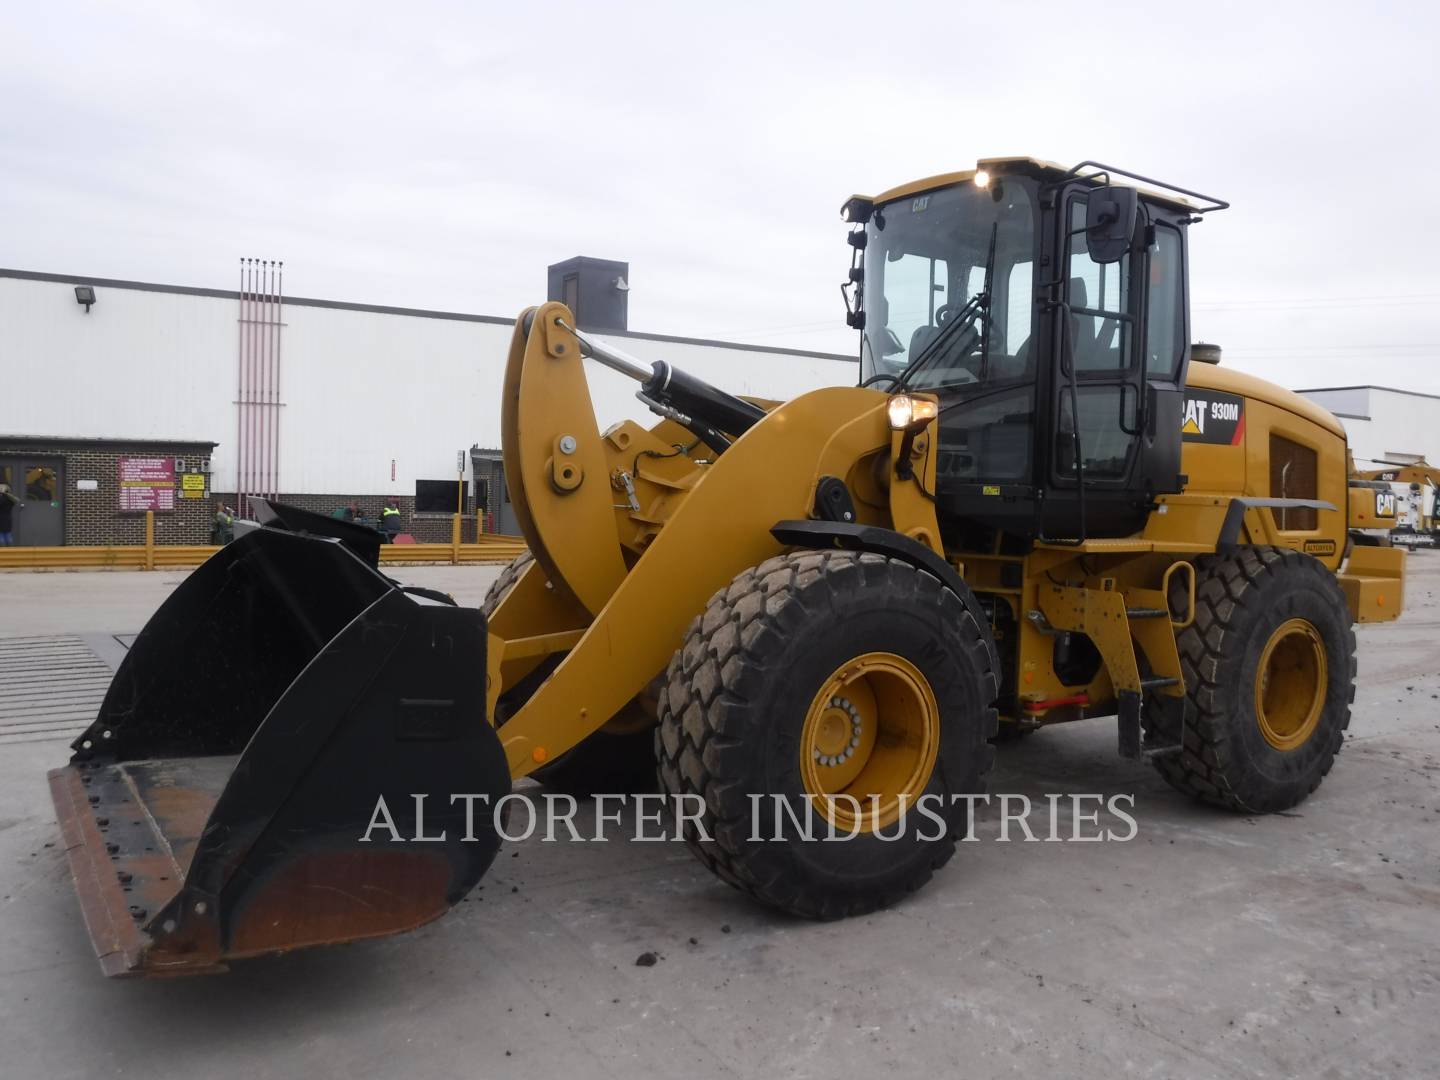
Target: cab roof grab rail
(1106, 170)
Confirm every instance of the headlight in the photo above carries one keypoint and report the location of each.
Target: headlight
(857, 210)
(907, 412)
(982, 178)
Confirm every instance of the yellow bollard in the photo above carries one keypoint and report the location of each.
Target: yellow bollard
(455, 540)
(149, 539)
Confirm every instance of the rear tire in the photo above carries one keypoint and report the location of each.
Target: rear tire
(740, 702)
(606, 762)
(1258, 740)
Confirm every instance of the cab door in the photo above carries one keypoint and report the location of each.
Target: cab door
(1118, 378)
(1097, 388)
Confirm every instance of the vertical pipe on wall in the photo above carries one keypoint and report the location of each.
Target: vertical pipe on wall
(244, 448)
(270, 417)
(257, 283)
(262, 383)
(239, 385)
(250, 418)
(263, 330)
(279, 322)
(257, 382)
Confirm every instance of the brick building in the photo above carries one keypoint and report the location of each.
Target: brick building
(72, 492)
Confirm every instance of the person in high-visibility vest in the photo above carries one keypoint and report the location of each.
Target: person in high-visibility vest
(222, 531)
(390, 519)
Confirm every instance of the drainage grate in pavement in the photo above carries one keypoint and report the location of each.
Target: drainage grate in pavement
(50, 688)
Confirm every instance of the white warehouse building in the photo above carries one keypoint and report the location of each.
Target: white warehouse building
(1385, 426)
(354, 402)
(1389, 427)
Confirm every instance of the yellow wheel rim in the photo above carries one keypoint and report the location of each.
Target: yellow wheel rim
(872, 733)
(1290, 684)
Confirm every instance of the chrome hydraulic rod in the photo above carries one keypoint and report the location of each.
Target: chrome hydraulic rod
(611, 357)
(662, 384)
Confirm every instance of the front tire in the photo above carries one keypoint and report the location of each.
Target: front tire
(1269, 666)
(848, 672)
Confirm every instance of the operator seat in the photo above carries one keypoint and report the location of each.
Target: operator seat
(1082, 337)
(920, 340)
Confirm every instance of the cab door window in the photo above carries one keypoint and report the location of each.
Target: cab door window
(1097, 343)
(1099, 298)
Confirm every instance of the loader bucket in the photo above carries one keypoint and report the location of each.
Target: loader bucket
(219, 805)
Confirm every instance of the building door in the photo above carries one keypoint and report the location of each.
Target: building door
(492, 496)
(39, 484)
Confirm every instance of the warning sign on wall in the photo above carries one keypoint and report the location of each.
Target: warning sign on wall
(147, 483)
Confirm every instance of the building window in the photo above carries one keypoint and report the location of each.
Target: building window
(1293, 476)
(436, 497)
(40, 484)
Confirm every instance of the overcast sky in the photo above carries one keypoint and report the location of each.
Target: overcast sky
(441, 155)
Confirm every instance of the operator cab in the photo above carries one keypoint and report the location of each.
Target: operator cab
(1047, 310)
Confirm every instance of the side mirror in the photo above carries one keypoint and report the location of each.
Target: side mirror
(1110, 223)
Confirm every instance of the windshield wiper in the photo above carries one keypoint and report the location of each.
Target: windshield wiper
(977, 304)
(988, 291)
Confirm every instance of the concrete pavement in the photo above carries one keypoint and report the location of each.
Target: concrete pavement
(1210, 945)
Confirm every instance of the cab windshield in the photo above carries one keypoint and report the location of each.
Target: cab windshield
(925, 270)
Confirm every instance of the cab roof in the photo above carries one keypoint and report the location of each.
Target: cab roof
(1047, 169)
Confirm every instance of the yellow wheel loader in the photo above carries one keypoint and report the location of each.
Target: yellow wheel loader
(1040, 504)
(1412, 504)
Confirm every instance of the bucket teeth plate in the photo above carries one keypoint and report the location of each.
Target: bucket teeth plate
(130, 832)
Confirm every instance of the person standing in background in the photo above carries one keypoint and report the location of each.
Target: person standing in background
(8, 503)
(223, 531)
(390, 519)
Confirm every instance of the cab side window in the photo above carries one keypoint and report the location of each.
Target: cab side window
(1165, 328)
